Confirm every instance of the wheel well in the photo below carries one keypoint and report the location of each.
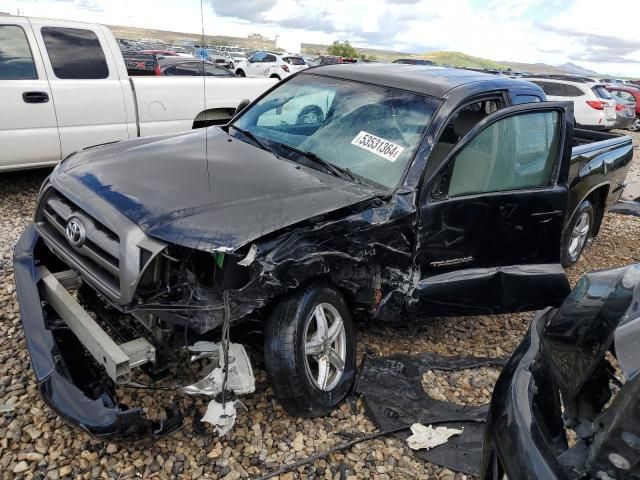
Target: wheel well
(238, 71)
(213, 116)
(275, 76)
(598, 199)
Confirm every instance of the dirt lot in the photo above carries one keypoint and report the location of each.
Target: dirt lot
(35, 443)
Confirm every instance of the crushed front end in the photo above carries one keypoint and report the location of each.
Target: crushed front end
(566, 405)
(100, 299)
(101, 295)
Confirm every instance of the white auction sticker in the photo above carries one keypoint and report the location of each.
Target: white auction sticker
(381, 147)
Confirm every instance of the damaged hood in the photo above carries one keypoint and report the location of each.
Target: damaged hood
(206, 189)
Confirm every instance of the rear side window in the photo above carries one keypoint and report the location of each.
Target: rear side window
(514, 153)
(624, 95)
(526, 99)
(75, 53)
(602, 92)
(184, 69)
(214, 71)
(294, 60)
(269, 59)
(572, 91)
(16, 61)
(551, 89)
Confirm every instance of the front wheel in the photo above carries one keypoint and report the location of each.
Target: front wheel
(240, 73)
(576, 234)
(635, 126)
(310, 350)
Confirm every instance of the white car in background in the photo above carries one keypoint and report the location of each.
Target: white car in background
(270, 65)
(594, 108)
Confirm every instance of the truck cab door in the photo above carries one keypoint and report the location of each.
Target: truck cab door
(28, 128)
(87, 90)
(491, 216)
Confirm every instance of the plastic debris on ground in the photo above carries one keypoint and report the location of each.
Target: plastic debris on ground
(426, 437)
(241, 379)
(222, 416)
(394, 397)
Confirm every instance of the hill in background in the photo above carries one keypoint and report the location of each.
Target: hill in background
(259, 42)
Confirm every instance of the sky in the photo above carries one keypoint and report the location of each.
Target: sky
(585, 32)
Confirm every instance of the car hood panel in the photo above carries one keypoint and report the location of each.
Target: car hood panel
(207, 190)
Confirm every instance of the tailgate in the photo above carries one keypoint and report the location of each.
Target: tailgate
(610, 111)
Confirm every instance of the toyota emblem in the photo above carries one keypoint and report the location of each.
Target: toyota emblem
(75, 232)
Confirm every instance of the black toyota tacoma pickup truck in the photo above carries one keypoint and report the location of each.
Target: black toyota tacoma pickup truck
(378, 192)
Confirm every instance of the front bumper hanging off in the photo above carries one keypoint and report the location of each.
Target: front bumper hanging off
(97, 413)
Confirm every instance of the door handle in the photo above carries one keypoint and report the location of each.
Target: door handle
(552, 213)
(545, 217)
(35, 97)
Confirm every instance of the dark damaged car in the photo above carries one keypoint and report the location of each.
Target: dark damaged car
(566, 404)
(370, 191)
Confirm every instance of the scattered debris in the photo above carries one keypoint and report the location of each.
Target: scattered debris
(393, 394)
(429, 437)
(241, 379)
(251, 256)
(221, 413)
(627, 208)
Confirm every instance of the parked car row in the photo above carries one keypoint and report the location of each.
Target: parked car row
(594, 106)
(139, 64)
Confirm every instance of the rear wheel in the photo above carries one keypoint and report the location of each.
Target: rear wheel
(635, 126)
(275, 76)
(240, 73)
(575, 236)
(310, 350)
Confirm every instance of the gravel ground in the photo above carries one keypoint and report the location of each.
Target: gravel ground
(35, 443)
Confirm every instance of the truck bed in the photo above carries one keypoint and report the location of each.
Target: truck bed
(585, 140)
(599, 165)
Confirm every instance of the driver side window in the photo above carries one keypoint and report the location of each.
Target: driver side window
(258, 57)
(516, 152)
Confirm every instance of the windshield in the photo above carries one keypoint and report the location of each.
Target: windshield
(370, 130)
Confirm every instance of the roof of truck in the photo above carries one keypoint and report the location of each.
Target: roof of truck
(427, 80)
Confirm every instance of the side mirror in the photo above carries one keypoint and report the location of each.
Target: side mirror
(242, 105)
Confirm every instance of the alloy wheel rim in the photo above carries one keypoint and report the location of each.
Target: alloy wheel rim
(325, 347)
(636, 125)
(579, 236)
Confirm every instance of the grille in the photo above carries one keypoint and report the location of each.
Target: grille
(98, 256)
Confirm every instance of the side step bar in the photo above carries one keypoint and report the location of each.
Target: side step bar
(118, 360)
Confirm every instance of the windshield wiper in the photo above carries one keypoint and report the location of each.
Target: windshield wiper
(343, 173)
(258, 142)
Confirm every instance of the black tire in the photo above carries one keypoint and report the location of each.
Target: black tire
(275, 76)
(635, 126)
(240, 73)
(571, 252)
(288, 367)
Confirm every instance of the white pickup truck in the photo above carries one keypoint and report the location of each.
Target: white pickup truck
(64, 86)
